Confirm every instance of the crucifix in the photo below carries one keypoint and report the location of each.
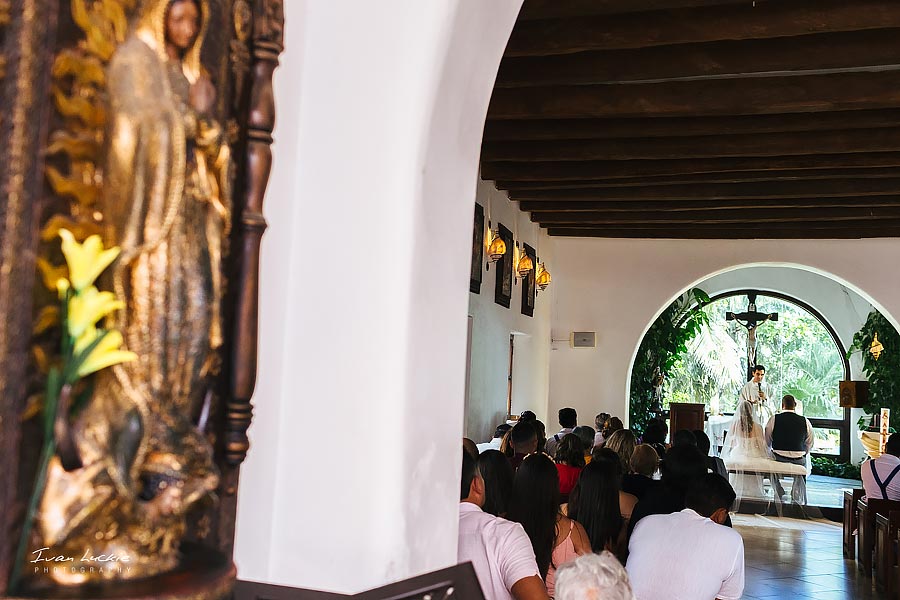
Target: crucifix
(750, 319)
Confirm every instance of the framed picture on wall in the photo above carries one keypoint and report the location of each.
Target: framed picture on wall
(504, 269)
(477, 251)
(528, 283)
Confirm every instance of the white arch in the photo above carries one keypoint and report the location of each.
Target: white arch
(845, 327)
(617, 288)
(381, 108)
(699, 282)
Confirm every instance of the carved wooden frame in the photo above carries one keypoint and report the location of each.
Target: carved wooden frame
(476, 274)
(28, 36)
(504, 266)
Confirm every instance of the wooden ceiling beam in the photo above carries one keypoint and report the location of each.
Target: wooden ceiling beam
(649, 127)
(538, 207)
(725, 191)
(740, 177)
(757, 20)
(731, 233)
(612, 169)
(857, 51)
(756, 144)
(812, 224)
(753, 95)
(735, 216)
(554, 9)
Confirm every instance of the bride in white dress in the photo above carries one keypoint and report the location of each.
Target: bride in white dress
(745, 453)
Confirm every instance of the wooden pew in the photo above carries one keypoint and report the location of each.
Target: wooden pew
(886, 528)
(868, 508)
(851, 521)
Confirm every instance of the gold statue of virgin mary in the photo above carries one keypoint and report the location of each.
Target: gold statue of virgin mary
(166, 203)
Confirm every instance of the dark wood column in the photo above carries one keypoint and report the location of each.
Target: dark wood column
(25, 30)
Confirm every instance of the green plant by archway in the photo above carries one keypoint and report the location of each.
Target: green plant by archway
(883, 373)
(663, 342)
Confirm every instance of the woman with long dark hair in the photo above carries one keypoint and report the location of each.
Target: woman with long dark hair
(556, 539)
(569, 463)
(595, 504)
(498, 481)
(626, 501)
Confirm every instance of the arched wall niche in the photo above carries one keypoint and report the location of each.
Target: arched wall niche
(619, 287)
(840, 303)
(841, 306)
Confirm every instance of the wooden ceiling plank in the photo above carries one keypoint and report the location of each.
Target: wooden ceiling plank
(702, 24)
(740, 177)
(756, 144)
(859, 224)
(725, 191)
(731, 233)
(806, 53)
(554, 9)
(572, 170)
(738, 215)
(649, 127)
(753, 95)
(538, 207)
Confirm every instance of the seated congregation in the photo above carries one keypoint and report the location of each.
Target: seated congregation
(536, 527)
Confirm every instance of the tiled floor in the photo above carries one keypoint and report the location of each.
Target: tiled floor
(787, 558)
(828, 491)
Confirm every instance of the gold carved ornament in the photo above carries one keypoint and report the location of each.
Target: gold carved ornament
(143, 163)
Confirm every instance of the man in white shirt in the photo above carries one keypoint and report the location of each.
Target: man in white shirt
(600, 421)
(568, 420)
(790, 436)
(881, 476)
(689, 555)
(494, 444)
(757, 392)
(499, 549)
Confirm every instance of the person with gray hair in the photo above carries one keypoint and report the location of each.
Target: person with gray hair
(593, 577)
(600, 420)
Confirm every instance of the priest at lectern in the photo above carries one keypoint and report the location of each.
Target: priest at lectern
(757, 393)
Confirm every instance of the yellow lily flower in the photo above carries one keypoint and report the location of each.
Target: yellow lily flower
(88, 307)
(86, 261)
(105, 354)
(84, 340)
(62, 287)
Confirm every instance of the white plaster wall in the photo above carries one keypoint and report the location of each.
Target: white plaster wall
(363, 291)
(618, 287)
(493, 325)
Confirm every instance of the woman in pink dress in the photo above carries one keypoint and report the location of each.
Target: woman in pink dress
(556, 539)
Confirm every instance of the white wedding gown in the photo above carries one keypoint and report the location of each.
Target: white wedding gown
(746, 455)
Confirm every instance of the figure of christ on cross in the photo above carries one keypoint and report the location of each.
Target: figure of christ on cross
(754, 391)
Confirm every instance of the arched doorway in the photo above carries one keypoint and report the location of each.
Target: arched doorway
(802, 352)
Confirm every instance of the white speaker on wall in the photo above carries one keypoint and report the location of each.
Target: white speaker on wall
(583, 339)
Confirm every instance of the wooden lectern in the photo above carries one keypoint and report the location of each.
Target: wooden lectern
(686, 416)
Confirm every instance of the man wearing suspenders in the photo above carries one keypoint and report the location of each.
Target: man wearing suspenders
(881, 476)
(568, 420)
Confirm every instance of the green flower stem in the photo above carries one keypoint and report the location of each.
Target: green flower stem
(49, 448)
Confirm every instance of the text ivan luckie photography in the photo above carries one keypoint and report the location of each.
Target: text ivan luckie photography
(45, 561)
